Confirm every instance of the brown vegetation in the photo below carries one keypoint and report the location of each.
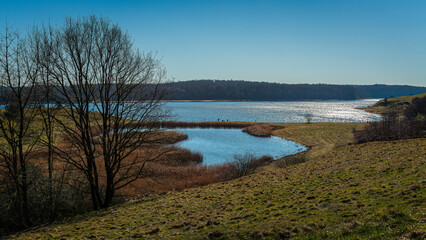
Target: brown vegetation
(161, 178)
(181, 157)
(179, 169)
(165, 137)
(174, 169)
(260, 130)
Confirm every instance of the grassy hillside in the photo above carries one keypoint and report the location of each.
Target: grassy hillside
(368, 191)
(397, 104)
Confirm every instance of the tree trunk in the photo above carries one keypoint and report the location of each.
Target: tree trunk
(109, 193)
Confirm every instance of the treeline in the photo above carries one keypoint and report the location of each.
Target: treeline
(264, 91)
(258, 91)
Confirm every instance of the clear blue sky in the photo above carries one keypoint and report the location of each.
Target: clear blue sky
(300, 41)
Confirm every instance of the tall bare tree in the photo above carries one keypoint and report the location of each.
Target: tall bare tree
(18, 136)
(105, 88)
(40, 45)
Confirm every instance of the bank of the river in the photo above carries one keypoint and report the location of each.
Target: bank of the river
(368, 191)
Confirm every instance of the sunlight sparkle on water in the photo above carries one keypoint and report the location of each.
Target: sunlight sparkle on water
(322, 111)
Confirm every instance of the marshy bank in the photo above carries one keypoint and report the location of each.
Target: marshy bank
(206, 154)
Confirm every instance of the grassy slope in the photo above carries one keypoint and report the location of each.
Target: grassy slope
(320, 137)
(397, 104)
(374, 190)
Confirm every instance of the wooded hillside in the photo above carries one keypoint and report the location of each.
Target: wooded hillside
(244, 90)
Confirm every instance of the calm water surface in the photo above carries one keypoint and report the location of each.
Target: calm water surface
(220, 145)
(322, 111)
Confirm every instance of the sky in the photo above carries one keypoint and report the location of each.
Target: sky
(299, 41)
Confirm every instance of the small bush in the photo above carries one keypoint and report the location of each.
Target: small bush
(243, 165)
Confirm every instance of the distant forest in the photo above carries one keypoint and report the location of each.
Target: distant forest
(262, 91)
(258, 91)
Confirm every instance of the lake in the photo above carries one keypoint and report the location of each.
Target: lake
(322, 111)
(220, 145)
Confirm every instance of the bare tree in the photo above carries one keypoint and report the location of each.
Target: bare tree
(41, 52)
(105, 89)
(246, 164)
(18, 136)
(308, 118)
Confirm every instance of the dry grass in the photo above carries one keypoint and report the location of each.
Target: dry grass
(162, 179)
(165, 137)
(260, 130)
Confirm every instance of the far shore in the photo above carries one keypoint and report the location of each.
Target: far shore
(266, 100)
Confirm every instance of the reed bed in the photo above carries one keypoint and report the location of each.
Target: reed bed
(260, 130)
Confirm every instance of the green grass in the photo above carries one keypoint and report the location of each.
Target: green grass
(397, 104)
(369, 191)
(320, 137)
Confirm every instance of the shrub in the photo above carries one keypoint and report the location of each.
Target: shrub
(393, 126)
(48, 201)
(416, 110)
(246, 164)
